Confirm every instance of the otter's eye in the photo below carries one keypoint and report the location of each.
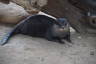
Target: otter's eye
(65, 24)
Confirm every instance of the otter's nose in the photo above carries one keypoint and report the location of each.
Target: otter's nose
(63, 27)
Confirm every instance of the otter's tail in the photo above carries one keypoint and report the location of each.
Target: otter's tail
(6, 38)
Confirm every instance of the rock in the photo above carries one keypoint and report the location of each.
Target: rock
(11, 13)
(31, 6)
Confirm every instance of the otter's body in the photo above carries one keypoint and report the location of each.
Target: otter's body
(42, 26)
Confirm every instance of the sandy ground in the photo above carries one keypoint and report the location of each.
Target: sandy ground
(22, 49)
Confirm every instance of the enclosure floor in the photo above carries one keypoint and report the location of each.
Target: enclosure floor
(22, 49)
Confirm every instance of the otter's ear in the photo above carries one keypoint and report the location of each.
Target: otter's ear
(5, 1)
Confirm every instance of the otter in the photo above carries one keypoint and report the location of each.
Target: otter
(42, 26)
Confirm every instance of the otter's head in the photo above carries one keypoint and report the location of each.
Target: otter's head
(62, 29)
